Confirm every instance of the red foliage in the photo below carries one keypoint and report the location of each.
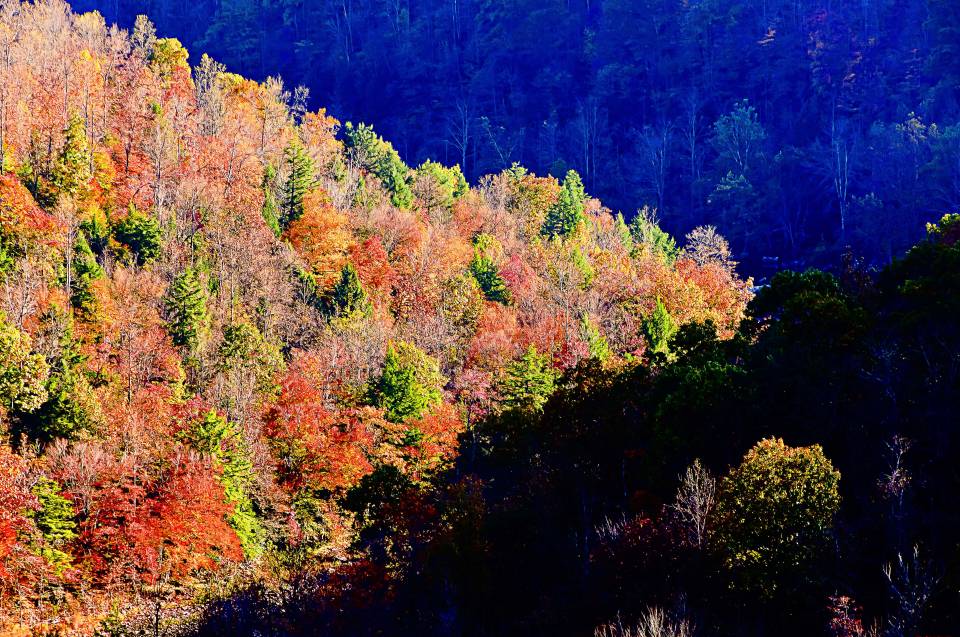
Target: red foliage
(312, 444)
(18, 565)
(175, 523)
(21, 217)
(373, 266)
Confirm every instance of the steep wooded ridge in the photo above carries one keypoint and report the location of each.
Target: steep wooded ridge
(259, 376)
(795, 126)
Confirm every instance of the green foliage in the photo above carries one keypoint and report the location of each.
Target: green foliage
(583, 266)
(528, 383)
(566, 215)
(141, 233)
(374, 154)
(71, 407)
(186, 305)
(271, 210)
(461, 304)
(596, 341)
(445, 185)
(647, 235)
(347, 299)
(300, 180)
(23, 375)
(84, 271)
(384, 486)
(774, 514)
(55, 519)
(946, 231)
(215, 436)
(411, 383)
(71, 171)
(659, 328)
(484, 269)
(244, 349)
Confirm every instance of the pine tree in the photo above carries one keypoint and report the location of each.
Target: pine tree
(215, 436)
(84, 271)
(410, 384)
(347, 299)
(379, 157)
(71, 173)
(141, 233)
(187, 306)
(71, 406)
(647, 235)
(270, 211)
(528, 383)
(566, 215)
(299, 181)
(484, 269)
(660, 328)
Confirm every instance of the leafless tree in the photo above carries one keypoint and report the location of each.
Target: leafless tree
(912, 582)
(695, 500)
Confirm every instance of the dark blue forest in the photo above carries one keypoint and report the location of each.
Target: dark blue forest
(798, 127)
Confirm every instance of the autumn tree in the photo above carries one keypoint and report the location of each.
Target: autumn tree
(773, 516)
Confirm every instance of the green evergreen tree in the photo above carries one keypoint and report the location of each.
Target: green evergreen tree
(347, 299)
(660, 328)
(409, 385)
(71, 172)
(141, 233)
(378, 156)
(71, 407)
(186, 305)
(215, 436)
(528, 383)
(84, 270)
(299, 181)
(484, 269)
(596, 341)
(271, 211)
(566, 215)
(646, 234)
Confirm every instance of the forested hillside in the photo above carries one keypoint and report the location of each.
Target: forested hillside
(260, 376)
(795, 126)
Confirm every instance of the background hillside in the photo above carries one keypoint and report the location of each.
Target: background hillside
(795, 126)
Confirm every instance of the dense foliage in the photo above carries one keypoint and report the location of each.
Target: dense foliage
(260, 376)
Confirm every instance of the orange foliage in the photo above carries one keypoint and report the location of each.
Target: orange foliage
(321, 236)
